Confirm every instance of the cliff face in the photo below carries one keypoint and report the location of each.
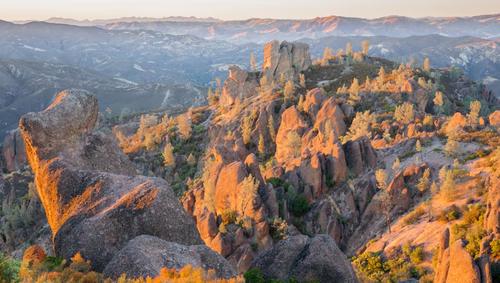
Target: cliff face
(94, 202)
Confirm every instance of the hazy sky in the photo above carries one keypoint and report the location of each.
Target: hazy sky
(241, 9)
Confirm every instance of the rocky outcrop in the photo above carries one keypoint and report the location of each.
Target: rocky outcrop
(306, 259)
(146, 256)
(239, 85)
(494, 119)
(360, 155)
(455, 263)
(93, 202)
(286, 58)
(288, 138)
(13, 151)
(492, 216)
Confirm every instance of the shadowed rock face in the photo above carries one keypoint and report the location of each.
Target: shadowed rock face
(93, 202)
(285, 58)
(146, 255)
(306, 259)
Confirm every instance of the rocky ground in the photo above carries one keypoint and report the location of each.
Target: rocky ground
(349, 169)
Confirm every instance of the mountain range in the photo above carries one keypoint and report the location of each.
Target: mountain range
(147, 58)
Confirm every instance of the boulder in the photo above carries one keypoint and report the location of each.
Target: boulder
(146, 255)
(315, 259)
(360, 155)
(286, 58)
(494, 119)
(237, 87)
(455, 264)
(93, 202)
(291, 121)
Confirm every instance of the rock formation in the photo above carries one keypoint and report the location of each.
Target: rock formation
(146, 255)
(94, 203)
(455, 263)
(306, 259)
(239, 85)
(286, 58)
(13, 151)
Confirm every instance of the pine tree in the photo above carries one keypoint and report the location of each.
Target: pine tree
(246, 129)
(294, 142)
(438, 101)
(448, 186)
(473, 116)
(423, 183)
(381, 76)
(348, 49)
(451, 147)
(184, 126)
(168, 155)
(404, 113)
(360, 126)
(365, 47)
(354, 91)
(427, 64)
(327, 56)
(381, 177)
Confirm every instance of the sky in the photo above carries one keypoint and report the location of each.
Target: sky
(241, 9)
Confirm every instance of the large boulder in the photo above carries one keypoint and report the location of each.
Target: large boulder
(237, 87)
(455, 263)
(315, 259)
(494, 119)
(292, 126)
(147, 255)
(360, 155)
(93, 202)
(286, 58)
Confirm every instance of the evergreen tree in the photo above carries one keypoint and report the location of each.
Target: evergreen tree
(427, 64)
(404, 113)
(438, 101)
(473, 116)
(365, 47)
(348, 49)
(168, 155)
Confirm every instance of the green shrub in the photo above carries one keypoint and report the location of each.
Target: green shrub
(449, 214)
(473, 213)
(276, 182)
(228, 217)
(413, 216)
(495, 248)
(299, 205)
(417, 255)
(254, 275)
(9, 269)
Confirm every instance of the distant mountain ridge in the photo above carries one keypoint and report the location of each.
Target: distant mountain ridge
(262, 30)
